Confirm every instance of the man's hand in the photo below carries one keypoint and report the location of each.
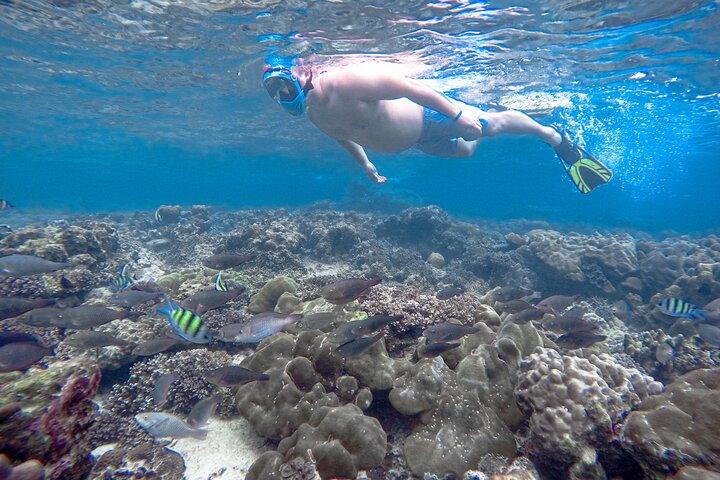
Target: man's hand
(470, 127)
(376, 177)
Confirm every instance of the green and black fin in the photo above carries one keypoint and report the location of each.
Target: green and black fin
(586, 171)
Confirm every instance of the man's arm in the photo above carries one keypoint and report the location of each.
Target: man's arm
(358, 153)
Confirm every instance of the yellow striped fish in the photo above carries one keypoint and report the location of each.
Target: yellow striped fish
(676, 307)
(185, 323)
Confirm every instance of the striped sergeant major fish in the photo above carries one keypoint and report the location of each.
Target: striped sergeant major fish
(185, 323)
(219, 284)
(123, 280)
(676, 307)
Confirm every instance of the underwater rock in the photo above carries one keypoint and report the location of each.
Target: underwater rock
(342, 440)
(566, 263)
(574, 405)
(266, 299)
(145, 461)
(436, 260)
(678, 427)
(334, 239)
(456, 429)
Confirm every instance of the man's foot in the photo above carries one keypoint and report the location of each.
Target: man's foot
(586, 171)
(377, 178)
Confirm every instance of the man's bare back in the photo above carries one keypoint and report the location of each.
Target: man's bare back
(367, 107)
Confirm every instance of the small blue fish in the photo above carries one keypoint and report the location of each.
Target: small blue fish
(676, 307)
(123, 280)
(185, 323)
(219, 284)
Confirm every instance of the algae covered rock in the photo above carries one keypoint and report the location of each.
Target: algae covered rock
(456, 429)
(678, 427)
(342, 441)
(267, 298)
(436, 260)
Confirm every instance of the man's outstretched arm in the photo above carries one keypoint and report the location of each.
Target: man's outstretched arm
(358, 153)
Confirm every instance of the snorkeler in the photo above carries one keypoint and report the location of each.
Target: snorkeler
(364, 107)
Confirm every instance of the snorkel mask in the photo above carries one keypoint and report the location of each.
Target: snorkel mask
(283, 87)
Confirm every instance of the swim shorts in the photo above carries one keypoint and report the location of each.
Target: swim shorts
(439, 135)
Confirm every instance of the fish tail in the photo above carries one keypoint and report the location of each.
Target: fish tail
(199, 433)
(698, 314)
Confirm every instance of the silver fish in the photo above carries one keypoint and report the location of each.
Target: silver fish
(359, 346)
(130, 298)
(449, 292)
(162, 387)
(202, 411)
(347, 290)
(223, 261)
(261, 326)
(14, 306)
(154, 345)
(167, 425)
(21, 265)
(205, 300)
(232, 375)
(360, 328)
(434, 349)
(571, 321)
(20, 351)
(447, 331)
(556, 303)
(78, 318)
(86, 339)
(525, 316)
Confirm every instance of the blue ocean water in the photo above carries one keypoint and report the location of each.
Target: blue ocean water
(126, 105)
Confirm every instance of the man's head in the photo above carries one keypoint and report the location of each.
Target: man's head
(287, 84)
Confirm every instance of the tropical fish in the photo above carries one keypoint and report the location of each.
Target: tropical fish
(5, 205)
(232, 375)
(514, 306)
(345, 291)
(202, 411)
(318, 321)
(571, 321)
(78, 318)
(447, 331)
(434, 349)
(525, 316)
(206, 300)
(218, 283)
(154, 346)
(19, 351)
(91, 339)
(130, 298)
(259, 326)
(621, 309)
(574, 340)
(710, 334)
(676, 307)
(185, 323)
(449, 292)
(167, 425)
(556, 303)
(122, 280)
(359, 328)
(161, 387)
(22, 265)
(358, 346)
(223, 261)
(167, 214)
(664, 352)
(14, 306)
(507, 293)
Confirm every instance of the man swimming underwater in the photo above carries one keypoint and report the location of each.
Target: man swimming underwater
(362, 107)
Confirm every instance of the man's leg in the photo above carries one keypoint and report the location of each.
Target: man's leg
(514, 122)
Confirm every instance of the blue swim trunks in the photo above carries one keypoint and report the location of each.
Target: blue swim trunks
(439, 135)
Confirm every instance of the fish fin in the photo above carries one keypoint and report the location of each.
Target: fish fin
(698, 314)
(200, 434)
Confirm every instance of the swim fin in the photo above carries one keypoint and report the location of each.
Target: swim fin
(586, 171)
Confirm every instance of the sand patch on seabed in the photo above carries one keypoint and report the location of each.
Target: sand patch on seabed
(228, 451)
